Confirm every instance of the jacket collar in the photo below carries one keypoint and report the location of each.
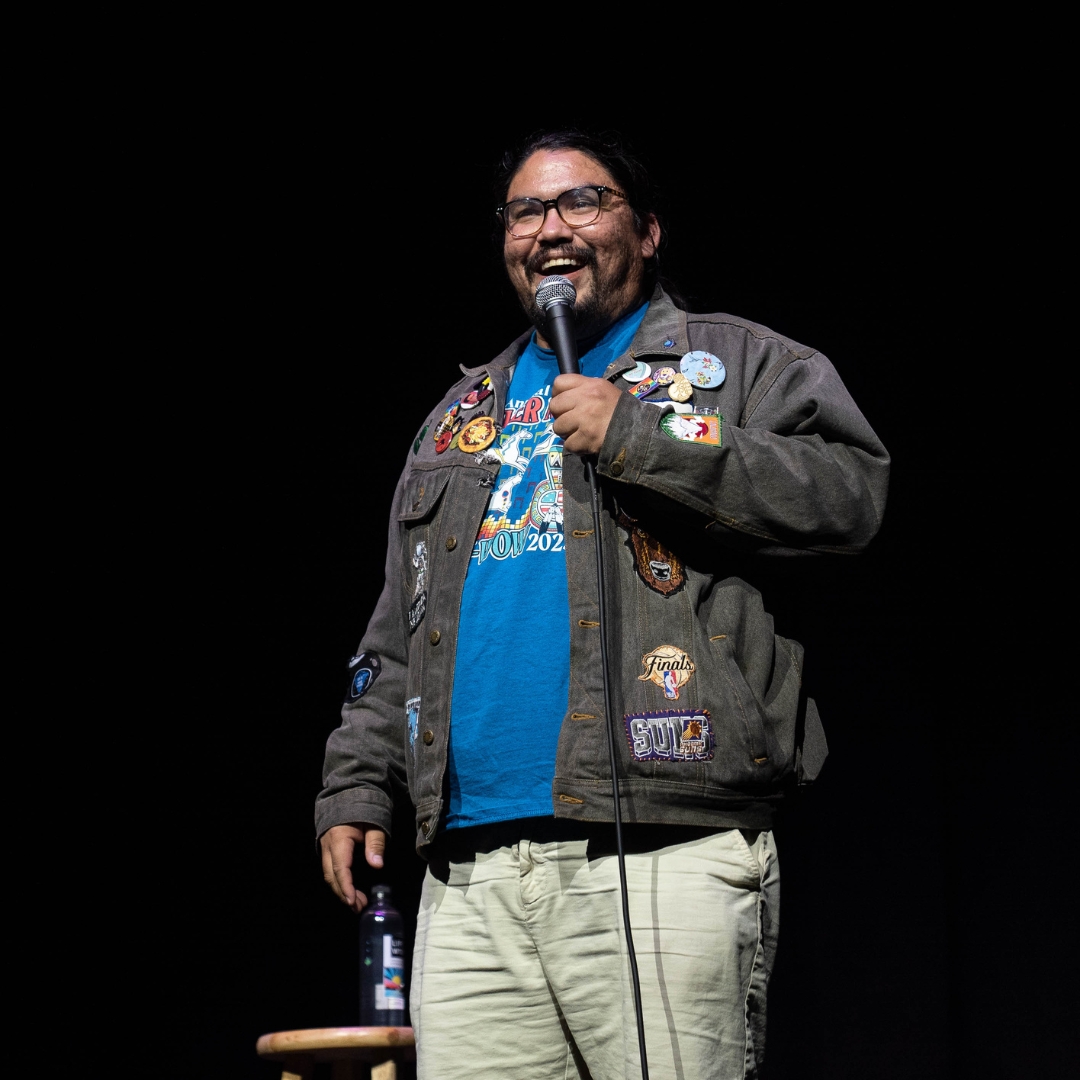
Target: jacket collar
(663, 323)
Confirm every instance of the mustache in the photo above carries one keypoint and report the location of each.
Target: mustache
(583, 255)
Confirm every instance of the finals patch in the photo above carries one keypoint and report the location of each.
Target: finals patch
(363, 671)
(693, 428)
(669, 667)
(673, 735)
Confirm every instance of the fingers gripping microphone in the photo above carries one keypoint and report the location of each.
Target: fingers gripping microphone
(555, 297)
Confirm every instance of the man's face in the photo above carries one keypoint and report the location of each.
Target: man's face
(604, 260)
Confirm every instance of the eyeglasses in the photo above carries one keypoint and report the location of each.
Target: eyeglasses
(578, 207)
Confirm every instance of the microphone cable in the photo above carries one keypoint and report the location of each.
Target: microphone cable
(555, 296)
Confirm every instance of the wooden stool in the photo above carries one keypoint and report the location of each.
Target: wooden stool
(349, 1048)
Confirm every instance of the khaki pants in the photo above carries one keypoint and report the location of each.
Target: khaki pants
(520, 968)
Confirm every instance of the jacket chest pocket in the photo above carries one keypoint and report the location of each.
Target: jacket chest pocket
(418, 520)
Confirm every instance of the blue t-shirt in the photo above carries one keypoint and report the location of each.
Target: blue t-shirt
(511, 672)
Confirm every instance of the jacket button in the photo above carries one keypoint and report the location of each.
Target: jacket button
(425, 827)
(435, 638)
(429, 737)
(451, 543)
(616, 468)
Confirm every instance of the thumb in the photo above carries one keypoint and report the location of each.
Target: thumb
(374, 847)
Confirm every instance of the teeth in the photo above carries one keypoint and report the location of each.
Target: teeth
(552, 263)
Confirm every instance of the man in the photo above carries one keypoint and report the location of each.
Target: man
(717, 442)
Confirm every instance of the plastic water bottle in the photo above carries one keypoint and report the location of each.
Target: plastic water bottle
(382, 963)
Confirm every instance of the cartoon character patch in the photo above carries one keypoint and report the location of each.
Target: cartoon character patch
(658, 566)
(363, 671)
(672, 735)
(697, 427)
(669, 667)
(418, 607)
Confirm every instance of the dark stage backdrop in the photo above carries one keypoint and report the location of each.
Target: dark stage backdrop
(326, 318)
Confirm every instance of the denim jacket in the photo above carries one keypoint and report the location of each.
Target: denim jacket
(797, 469)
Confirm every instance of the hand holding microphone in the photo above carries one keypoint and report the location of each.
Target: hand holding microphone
(582, 407)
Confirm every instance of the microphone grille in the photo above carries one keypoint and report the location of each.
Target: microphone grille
(555, 289)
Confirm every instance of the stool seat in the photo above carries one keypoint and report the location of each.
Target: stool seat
(349, 1048)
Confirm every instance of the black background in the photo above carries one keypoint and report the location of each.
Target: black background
(317, 323)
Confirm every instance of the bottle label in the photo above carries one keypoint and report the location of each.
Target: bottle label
(391, 994)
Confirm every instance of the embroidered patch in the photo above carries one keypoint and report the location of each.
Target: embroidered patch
(658, 566)
(363, 671)
(412, 715)
(669, 667)
(695, 427)
(418, 607)
(672, 735)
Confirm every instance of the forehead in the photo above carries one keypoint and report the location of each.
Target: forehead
(548, 173)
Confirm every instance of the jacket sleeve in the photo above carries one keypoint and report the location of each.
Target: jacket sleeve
(365, 756)
(800, 468)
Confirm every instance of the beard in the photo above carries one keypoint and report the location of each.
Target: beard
(594, 311)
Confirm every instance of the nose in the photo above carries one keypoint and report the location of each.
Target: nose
(554, 228)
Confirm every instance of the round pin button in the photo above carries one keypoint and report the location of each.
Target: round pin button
(474, 397)
(477, 434)
(703, 369)
(680, 389)
(639, 371)
(665, 376)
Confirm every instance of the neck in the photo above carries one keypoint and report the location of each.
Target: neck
(589, 333)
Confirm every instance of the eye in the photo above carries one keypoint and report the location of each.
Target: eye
(523, 211)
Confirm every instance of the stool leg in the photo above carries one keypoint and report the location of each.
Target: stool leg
(349, 1070)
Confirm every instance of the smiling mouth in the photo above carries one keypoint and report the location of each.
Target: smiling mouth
(551, 265)
(561, 264)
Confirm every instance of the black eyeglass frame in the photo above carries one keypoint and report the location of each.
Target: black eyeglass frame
(547, 204)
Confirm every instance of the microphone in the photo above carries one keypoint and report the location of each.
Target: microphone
(555, 297)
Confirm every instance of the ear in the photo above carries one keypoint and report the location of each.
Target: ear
(650, 236)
